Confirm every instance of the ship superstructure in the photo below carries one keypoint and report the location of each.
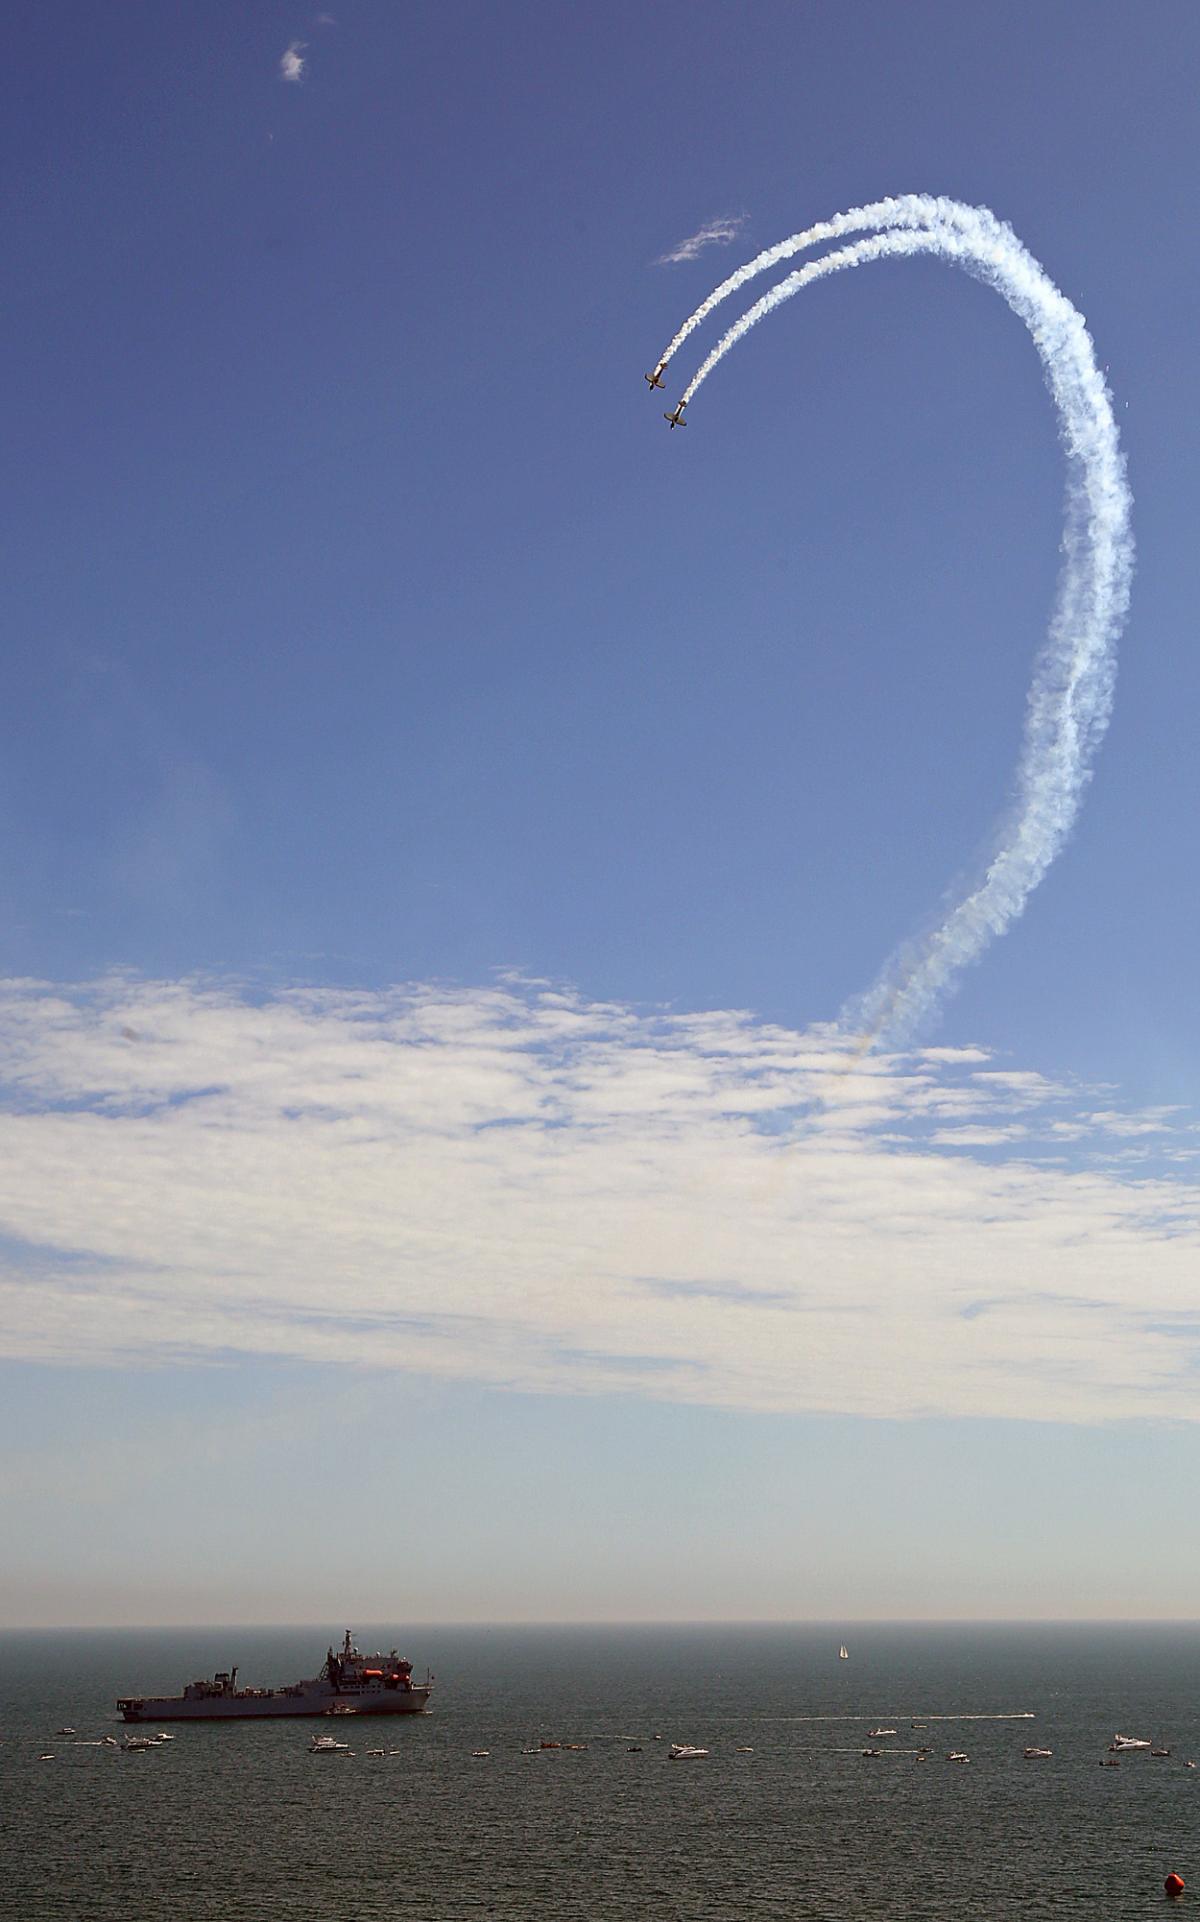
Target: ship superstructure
(349, 1683)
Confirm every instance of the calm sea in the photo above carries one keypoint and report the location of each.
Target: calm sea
(239, 1821)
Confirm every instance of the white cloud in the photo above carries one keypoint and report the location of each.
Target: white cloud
(292, 62)
(714, 233)
(517, 1186)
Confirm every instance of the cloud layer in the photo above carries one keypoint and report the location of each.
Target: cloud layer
(517, 1186)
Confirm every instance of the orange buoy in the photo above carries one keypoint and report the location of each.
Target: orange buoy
(1173, 1884)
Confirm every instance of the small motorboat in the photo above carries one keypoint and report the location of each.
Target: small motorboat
(481, 1754)
(873, 1734)
(328, 1745)
(1120, 1743)
(133, 1744)
(1038, 1754)
(743, 1748)
(66, 1731)
(684, 1752)
(957, 1755)
(635, 1748)
(1160, 1751)
(872, 1751)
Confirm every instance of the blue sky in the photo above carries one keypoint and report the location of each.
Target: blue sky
(440, 810)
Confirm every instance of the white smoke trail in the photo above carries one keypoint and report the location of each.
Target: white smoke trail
(905, 210)
(1070, 699)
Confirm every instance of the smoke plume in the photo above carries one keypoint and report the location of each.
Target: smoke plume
(1070, 698)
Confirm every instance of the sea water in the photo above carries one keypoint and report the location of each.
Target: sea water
(232, 1821)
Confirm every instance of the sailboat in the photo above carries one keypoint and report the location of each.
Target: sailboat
(843, 1653)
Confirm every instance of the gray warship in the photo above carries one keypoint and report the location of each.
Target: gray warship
(349, 1683)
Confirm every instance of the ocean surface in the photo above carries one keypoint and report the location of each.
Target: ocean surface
(237, 1821)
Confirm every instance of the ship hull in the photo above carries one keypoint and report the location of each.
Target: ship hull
(270, 1706)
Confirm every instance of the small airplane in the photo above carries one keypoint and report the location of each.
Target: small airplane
(676, 419)
(655, 379)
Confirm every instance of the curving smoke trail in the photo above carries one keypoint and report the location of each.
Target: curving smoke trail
(1070, 699)
(907, 210)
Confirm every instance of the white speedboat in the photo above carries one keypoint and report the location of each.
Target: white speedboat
(133, 1743)
(1038, 1754)
(1120, 1743)
(328, 1745)
(684, 1752)
(956, 1755)
(873, 1734)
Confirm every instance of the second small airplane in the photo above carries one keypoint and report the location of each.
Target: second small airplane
(655, 379)
(676, 419)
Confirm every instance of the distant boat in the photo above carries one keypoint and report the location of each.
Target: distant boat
(1120, 1743)
(1038, 1754)
(684, 1752)
(843, 1653)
